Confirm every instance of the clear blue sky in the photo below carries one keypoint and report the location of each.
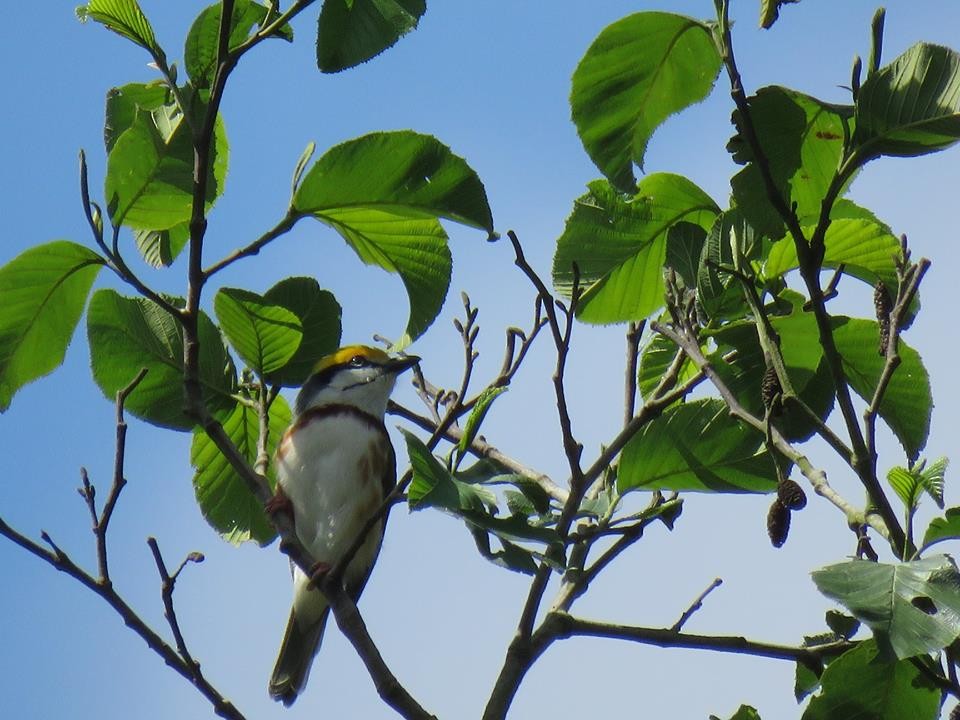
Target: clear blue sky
(491, 80)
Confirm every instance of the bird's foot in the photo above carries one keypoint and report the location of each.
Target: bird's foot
(318, 572)
(279, 503)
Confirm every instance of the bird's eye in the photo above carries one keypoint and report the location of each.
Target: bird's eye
(358, 361)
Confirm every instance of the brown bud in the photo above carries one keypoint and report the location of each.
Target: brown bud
(778, 523)
(770, 391)
(883, 305)
(791, 495)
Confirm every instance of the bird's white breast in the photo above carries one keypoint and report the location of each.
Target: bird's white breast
(330, 467)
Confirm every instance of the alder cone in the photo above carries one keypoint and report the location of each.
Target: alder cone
(778, 523)
(883, 305)
(769, 389)
(791, 495)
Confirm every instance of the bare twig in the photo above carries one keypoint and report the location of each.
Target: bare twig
(695, 605)
(167, 583)
(562, 626)
(634, 333)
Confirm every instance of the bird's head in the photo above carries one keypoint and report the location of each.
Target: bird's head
(355, 375)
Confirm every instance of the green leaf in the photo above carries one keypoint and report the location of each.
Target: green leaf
(910, 107)
(906, 485)
(803, 140)
(384, 194)
(479, 412)
(354, 31)
(200, 50)
(931, 478)
(803, 358)
(638, 72)
(434, 486)
(319, 315)
(843, 625)
(696, 447)
(160, 248)
(264, 335)
(655, 360)
(619, 245)
(806, 681)
(770, 11)
(123, 104)
(907, 403)
(913, 607)
(684, 247)
(123, 17)
(128, 334)
(744, 712)
(859, 685)
(42, 292)
(226, 502)
(866, 248)
(945, 528)
(720, 294)
(149, 182)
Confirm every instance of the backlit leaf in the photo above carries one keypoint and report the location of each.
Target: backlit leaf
(354, 31)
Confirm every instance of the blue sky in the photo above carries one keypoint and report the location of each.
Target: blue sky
(490, 79)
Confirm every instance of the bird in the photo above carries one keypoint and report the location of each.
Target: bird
(335, 465)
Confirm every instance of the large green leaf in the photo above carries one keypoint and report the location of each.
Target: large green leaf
(907, 403)
(855, 239)
(384, 193)
(265, 335)
(803, 358)
(200, 50)
(226, 502)
(696, 446)
(42, 293)
(149, 181)
(913, 608)
(319, 315)
(619, 244)
(910, 107)
(803, 140)
(129, 334)
(123, 17)
(859, 685)
(638, 72)
(354, 31)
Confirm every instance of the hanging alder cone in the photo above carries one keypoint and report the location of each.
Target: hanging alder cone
(770, 391)
(791, 495)
(778, 523)
(883, 305)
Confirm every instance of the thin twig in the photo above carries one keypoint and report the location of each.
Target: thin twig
(167, 583)
(695, 605)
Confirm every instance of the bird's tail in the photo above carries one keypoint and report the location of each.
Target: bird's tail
(299, 646)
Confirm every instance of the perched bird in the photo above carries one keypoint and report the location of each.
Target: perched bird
(335, 466)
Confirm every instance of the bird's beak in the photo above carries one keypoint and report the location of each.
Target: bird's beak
(397, 365)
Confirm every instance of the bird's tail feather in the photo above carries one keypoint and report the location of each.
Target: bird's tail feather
(299, 646)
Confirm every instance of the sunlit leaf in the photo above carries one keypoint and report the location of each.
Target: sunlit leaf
(128, 334)
(226, 502)
(42, 292)
(354, 31)
(638, 72)
(696, 446)
(618, 244)
(123, 17)
(265, 335)
(910, 107)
